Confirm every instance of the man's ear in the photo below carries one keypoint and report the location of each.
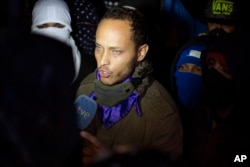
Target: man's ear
(142, 52)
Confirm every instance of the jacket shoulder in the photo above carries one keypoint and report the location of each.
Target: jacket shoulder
(86, 85)
(158, 99)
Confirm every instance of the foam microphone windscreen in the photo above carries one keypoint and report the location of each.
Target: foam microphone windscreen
(86, 109)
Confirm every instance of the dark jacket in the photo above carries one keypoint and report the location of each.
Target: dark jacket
(159, 126)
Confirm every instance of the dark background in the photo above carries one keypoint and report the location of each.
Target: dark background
(16, 15)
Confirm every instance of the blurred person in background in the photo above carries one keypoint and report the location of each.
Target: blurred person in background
(85, 17)
(219, 124)
(223, 17)
(37, 115)
(52, 18)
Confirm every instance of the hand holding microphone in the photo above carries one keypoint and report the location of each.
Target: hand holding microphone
(86, 109)
(94, 150)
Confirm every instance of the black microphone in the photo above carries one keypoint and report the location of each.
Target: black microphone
(86, 109)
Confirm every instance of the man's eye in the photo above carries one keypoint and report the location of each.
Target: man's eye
(98, 48)
(116, 51)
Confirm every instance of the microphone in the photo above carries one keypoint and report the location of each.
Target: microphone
(85, 109)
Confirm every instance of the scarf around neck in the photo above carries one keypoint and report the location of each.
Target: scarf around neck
(115, 102)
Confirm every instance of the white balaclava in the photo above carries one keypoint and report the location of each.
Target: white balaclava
(56, 11)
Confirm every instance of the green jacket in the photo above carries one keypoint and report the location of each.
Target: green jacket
(159, 127)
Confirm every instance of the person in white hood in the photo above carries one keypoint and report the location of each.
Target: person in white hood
(52, 18)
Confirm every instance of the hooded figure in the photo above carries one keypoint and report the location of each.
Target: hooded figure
(219, 128)
(186, 76)
(227, 59)
(55, 12)
(189, 82)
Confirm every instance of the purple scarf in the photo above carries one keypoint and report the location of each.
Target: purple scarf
(113, 114)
